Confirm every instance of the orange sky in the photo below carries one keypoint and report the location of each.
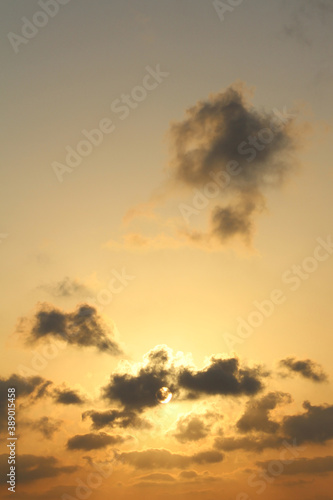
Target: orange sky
(166, 192)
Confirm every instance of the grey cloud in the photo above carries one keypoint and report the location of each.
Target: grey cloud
(307, 368)
(32, 467)
(66, 288)
(93, 441)
(164, 459)
(308, 466)
(47, 426)
(313, 426)
(253, 443)
(114, 417)
(68, 397)
(224, 137)
(191, 428)
(136, 392)
(256, 416)
(83, 327)
(222, 377)
(35, 387)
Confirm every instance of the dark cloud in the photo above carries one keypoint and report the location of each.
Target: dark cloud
(314, 426)
(230, 221)
(68, 397)
(223, 377)
(66, 288)
(164, 459)
(34, 387)
(32, 467)
(83, 327)
(191, 428)
(93, 441)
(253, 443)
(256, 416)
(243, 149)
(308, 466)
(113, 418)
(47, 426)
(135, 392)
(307, 368)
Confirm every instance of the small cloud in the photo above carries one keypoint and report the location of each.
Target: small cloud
(116, 418)
(66, 288)
(306, 368)
(188, 474)
(68, 397)
(93, 441)
(32, 387)
(158, 477)
(47, 426)
(83, 327)
(191, 428)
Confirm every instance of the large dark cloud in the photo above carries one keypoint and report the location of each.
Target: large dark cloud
(307, 466)
(32, 467)
(25, 386)
(306, 367)
(135, 392)
(116, 418)
(83, 327)
(256, 416)
(248, 150)
(223, 377)
(164, 459)
(68, 397)
(315, 425)
(93, 441)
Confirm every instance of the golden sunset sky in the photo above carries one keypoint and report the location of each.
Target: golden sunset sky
(166, 221)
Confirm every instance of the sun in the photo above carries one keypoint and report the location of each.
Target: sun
(164, 395)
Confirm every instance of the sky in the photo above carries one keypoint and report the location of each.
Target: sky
(166, 249)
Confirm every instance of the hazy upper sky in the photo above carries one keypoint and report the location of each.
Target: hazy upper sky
(166, 192)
